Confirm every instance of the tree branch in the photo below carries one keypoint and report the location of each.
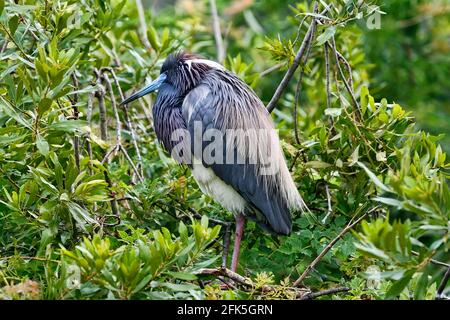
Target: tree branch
(76, 139)
(347, 85)
(327, 75)
(128, 122)
(313, 295)
(299, 83)
(217, 33)
(442, 285)
(100, 94)
(227, 273)
(298, 57)
(143, 25)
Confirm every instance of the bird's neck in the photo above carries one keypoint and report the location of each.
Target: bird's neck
(167, 117)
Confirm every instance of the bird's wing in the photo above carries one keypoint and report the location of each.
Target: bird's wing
(224, 102)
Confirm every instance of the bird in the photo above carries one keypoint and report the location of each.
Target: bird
(243, 167)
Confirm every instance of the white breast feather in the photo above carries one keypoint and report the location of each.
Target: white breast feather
(213, 186)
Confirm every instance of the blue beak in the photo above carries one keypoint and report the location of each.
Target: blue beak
(146, 90)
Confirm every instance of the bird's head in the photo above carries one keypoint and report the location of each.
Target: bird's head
(183, 71)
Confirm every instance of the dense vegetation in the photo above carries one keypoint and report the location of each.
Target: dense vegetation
(91, 206)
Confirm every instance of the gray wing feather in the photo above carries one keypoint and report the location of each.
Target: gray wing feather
(266, 205)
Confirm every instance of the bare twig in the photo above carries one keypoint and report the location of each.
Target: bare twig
(89, 118)
(300, 78)
(248, 284)
(119, 146)
(4, 46)
(128, 121)
(100, 95)
(348, 67)
(313, 295)
(227, 273)
(327, 75)
(217, 33)
(341, 73)
(311, 266)
(434, 261)
(76, 139)
(271, 69)
(127, 156)
(330, 209)
(113, 202)
(297, 60)
(442, 285)
(114, 107)
(29, 258)
(143, 25)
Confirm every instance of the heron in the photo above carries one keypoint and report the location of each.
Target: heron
(248, 174)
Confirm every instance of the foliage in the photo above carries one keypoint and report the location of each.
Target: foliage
(91, 207)
(417, 34)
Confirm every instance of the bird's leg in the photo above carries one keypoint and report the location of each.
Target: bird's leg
(226, 245)
(240, 222)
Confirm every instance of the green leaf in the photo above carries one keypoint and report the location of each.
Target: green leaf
(182, 230)
(142, 283)
(326, 35)
(364, 94)
(204, 221)
(153, 38)
(11, 112)
(421, 287)
(69, 126)
(389, 201)
(315, 164)
(179, 287)
(182, 275)
(42, 145)
(374, 178)
(2, 6)
(398, 286)
(333, 112)
(13, 24)
(80, 215)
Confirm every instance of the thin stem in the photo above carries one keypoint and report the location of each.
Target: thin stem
(143, 25)
(327, 75)
(114, 107)
(128, 121)
(325, 250)
(330, 209)
(313, 295)
(271, 69)
(76, 139)
(347, 85)
(299, 84)
(217, 33)
(100, 94)
(443, 284)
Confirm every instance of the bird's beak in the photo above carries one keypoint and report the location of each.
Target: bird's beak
(146, 90)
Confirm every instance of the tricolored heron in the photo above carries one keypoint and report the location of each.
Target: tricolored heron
(243, 167)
